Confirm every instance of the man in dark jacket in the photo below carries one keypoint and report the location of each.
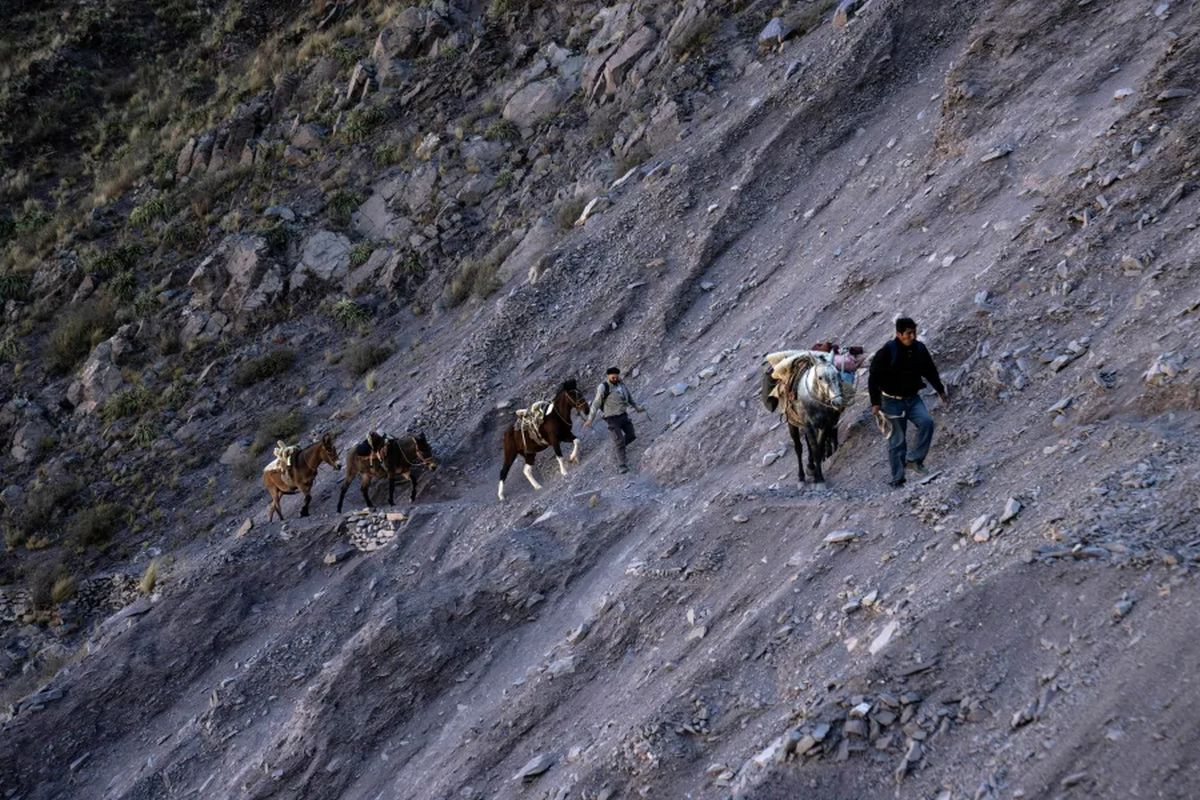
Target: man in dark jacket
(613, 401)
(898, 374)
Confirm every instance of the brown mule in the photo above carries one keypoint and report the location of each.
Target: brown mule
(554, 429)
(304, 472)
(381, 456)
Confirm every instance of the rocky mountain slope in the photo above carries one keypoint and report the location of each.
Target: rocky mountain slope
(366, 216)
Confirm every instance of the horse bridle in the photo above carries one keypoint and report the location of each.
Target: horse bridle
(577, 405)
(820, 400)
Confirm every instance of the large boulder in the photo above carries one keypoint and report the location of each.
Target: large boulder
(475, 188)
(526, 257)
(32, 430)
(238, 278)
(98, 380)
(620, 62)
(412, 34)
(307, 137)
(324, 256)
(201, 325)
(375, 220)
(480, 154)
(688, 26)
(535, 102)
(420, 189)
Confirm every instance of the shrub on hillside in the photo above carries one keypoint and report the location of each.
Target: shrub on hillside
(361, 357)
(349, 314)
(265, 366)
(91, 527)
(76, 331)
(130, 402)
(39, 510)
(276, 425)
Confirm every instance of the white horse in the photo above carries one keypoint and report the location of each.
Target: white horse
(807, 388)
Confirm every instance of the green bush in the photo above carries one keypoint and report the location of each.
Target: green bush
(474, 276)
(388, 154)
(567, 213)
(42, 505)
(502, 130)
(359, 123)
(122, 258)
(123, 286)
(341, 204)
(42, 586)
(130, 402)
(15, 286)
(76, 332)
(361, 357)
(277, 424)
(31, 217)
(149, 212)
(277, 236)
(349, 314)
(360, 253)
(91, 527)
(10, 348)
(183, 236)
(265, 366)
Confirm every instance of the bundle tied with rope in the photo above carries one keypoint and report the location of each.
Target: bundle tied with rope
(529, 423)
(785, 369)
(285, 455)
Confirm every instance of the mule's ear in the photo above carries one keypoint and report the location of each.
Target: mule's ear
(327, 438)
(569, 384)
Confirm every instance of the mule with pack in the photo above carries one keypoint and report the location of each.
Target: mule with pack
(545, 424)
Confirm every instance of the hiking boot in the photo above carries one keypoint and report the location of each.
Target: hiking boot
(897, 484)
(918, 467)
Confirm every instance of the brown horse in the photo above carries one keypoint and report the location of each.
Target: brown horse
(554, 429)
(381, 456)
(300, 480)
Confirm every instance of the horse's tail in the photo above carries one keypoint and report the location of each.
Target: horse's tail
(767, 387)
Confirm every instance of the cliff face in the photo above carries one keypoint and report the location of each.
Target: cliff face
(263, 223)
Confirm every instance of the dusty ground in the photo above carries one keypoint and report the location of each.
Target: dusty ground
(664, 634)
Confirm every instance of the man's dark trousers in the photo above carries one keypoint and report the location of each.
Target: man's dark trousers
(901, 411)
(620, 429)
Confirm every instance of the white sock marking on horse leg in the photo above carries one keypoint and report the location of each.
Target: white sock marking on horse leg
(500, 491)
(529, 476)
(575, 452)
(562, 465)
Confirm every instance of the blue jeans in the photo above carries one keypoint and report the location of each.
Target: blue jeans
(901, 412)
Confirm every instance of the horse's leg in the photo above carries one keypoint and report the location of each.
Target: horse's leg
(273, 506)
(391, 488)
(307, 499)
(815, 436)
(574, 457)
(510, 455)
(529, 471)
(412, 479)
(795, 432)
(366, 481)
(345, 486)
(562, 465)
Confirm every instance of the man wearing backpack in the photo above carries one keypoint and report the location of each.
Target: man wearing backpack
(898, 374)
(613, 401)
